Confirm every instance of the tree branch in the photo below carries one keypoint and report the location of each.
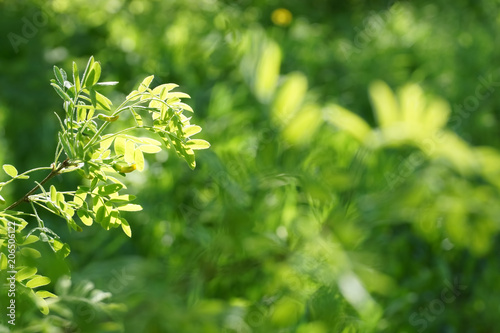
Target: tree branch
(51, 175)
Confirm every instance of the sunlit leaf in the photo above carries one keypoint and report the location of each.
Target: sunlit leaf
(85, 217)
(130, 208)
(145, 83)
(45, 294)
(384, 103)
(38, 281)
(109, 189)
(10, 170)
(289, 98)
(126, 227)
(139, 158)
(163, 89)
(26, 273)
(347, 121)
(149, 149)
(129, 152)
(191, 130)
(120, 145)
(198, 144)
(76, 77)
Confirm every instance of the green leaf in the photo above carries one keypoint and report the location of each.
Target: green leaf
(108, 83)
(109, 189)
(101, 214)
(129, 152)
(130, 208)
(348, 121)
(385, 104)
(97, 72)
(139, 159)
(58, 75)
(60, 248)
(184, 106)
(162, 90)
(149, 149)
(3, 261)
(76, 77)
(89, 67)
(191, 130)
(145, 83)
(90, 78)
(197, 144)
(53, 193)
(60, 92)
(45, 294)
(122, 198)
(133, 95)
(85, 217)
(10, 170)
(25, 273)
(42, 305)
(30, 240)
(80, 197)
(120, 145)
(138, 119)
(177, 94)
(103, 101)
(149, 141)
(108, 212)
(126, 227)
(64, 76)
(38, 281)
(2, 200)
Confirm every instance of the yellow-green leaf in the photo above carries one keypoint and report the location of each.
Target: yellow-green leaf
(25, 273)
(150, 149)
(162, 90)
(139, 159)
(348, 121)
(384, 103)
(191, 130)
(10, 170)
(126, 227)
(145, 83)
(85, 217)
(38, 281)
(130, 208)
(120, 144)
(29, 252)
(197, 144)
(45, 294)
(129, 152)
(30, 240)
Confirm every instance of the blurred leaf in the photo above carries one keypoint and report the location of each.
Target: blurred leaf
(289, 98)
(384, 103)
(347, 121)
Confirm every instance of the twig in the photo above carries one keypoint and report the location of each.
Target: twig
(51, 175)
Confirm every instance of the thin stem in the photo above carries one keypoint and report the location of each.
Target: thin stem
(52, 174)
(25, 173)
(40, 222)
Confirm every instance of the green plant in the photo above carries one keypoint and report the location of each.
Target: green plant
(89, 145)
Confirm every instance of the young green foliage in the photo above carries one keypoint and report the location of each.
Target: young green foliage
(99, 154)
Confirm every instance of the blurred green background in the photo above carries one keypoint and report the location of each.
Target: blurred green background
(325, 203)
